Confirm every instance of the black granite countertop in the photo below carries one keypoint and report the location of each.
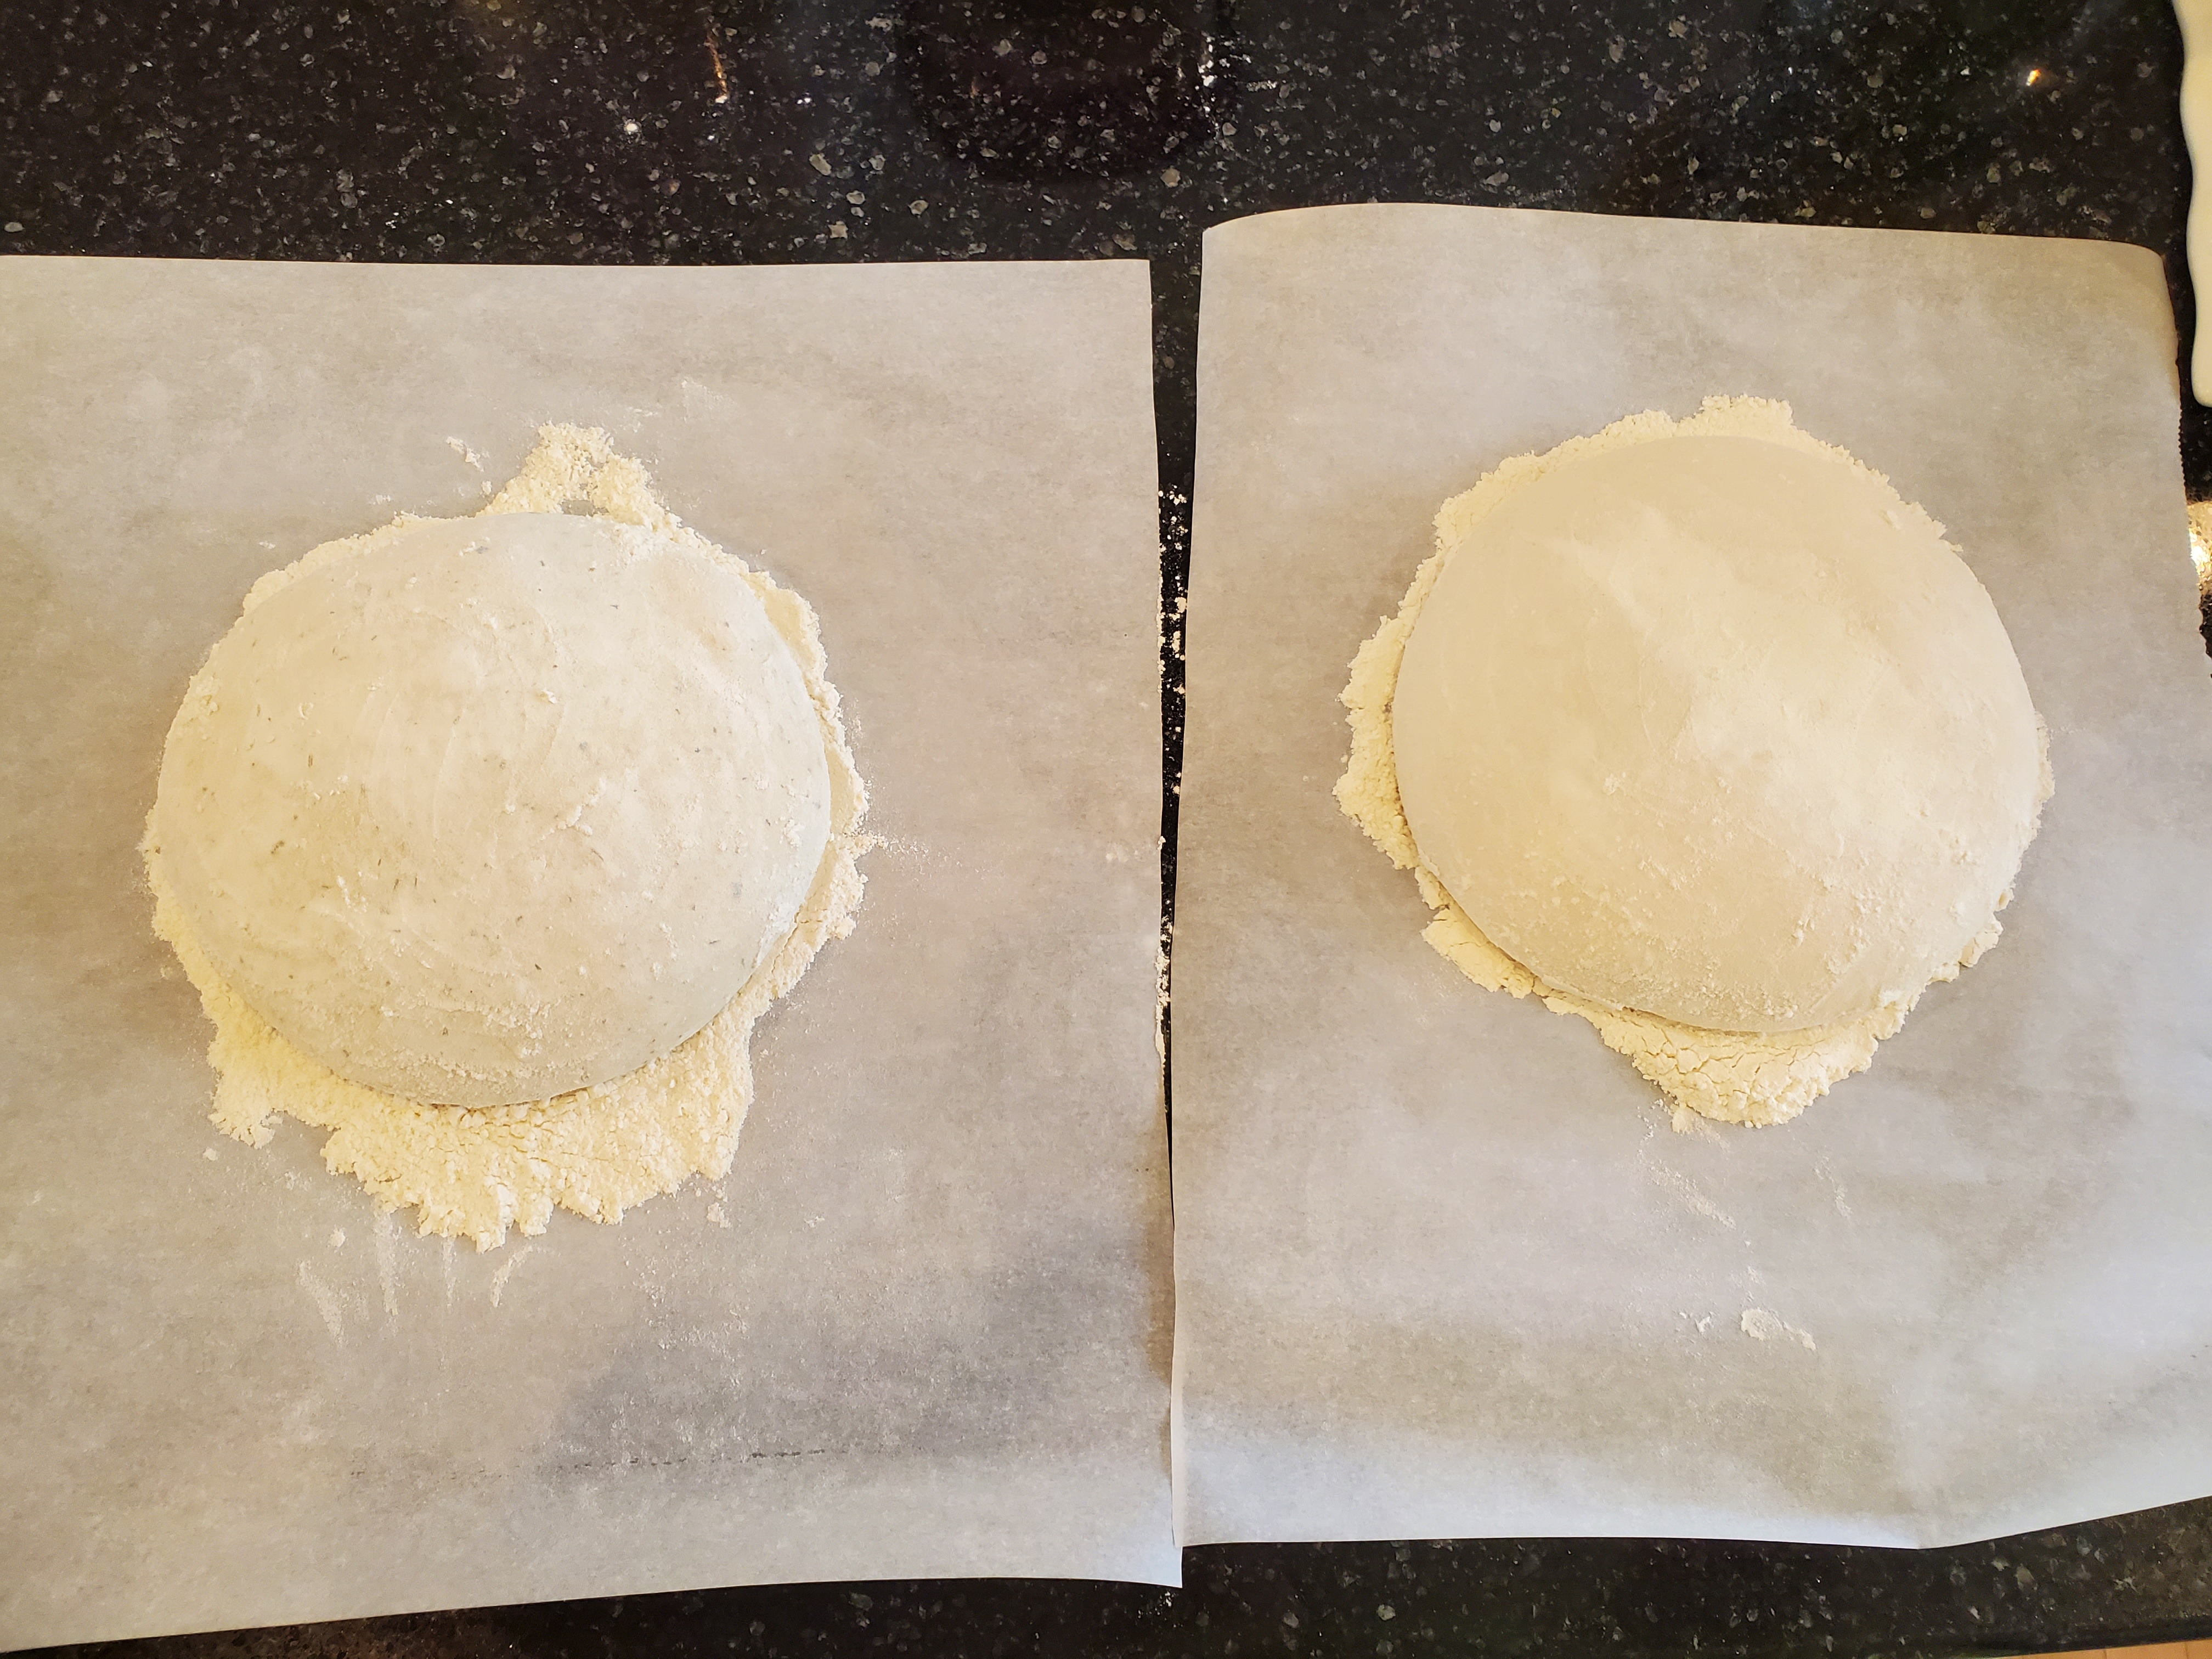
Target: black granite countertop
(628, 131)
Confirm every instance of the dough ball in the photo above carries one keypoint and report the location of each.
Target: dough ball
(1720, 730)
(498, 808)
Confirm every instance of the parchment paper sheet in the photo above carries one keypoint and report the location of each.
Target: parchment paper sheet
(933, 1338)
(1443, 1269)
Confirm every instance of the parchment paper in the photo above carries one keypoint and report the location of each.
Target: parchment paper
(932, 1338)
(1443, 1269)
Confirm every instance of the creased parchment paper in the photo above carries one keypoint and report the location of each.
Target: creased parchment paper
(1443, 1269)
(922, 1327)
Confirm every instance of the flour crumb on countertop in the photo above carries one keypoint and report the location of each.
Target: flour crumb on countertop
(1684, 1122)
(1766, 1325)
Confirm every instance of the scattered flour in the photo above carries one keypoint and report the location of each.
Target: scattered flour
(1686, 1190)
(387, 1262)
(504, 1271)
(473, 1174)
(1767, 1326)
(1835, 1189)
(326, 1302)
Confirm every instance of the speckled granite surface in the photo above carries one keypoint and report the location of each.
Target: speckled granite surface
(705, 131)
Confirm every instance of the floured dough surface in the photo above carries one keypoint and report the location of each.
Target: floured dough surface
(474, 1171)
(498, 808)
(1697, 730)
(1717, 728)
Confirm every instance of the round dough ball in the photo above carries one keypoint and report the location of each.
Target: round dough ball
(496, 809)
(1720, 730)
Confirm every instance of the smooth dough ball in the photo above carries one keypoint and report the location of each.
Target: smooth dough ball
(499, 808)
(1720, 730)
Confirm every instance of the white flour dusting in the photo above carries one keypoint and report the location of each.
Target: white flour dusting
(325, 1301)
(473, 1174)
(1747, 1078)
(1686, 1190)
(1764, 1326)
